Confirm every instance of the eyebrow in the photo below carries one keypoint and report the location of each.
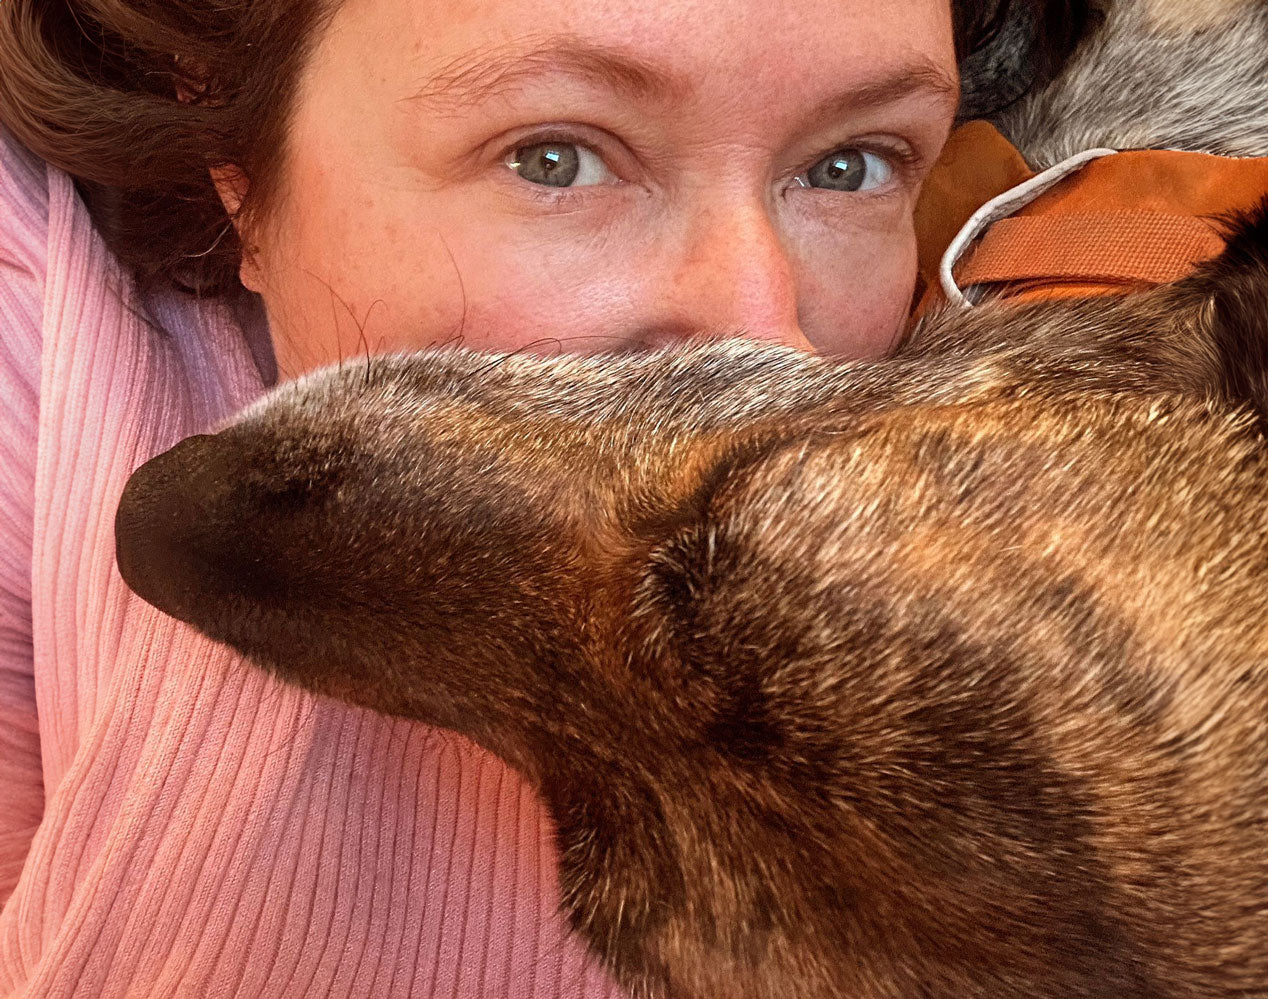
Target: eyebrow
(486, 74)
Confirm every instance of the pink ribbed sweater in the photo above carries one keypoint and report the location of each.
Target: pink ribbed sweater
(172, 821)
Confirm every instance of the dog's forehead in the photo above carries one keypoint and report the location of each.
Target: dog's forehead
(407, 380)
(726, 377)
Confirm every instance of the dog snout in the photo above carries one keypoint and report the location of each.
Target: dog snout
(185, 531)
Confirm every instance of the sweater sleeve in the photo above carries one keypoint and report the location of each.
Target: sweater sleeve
(23, 255)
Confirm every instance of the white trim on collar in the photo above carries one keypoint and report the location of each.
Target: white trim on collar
(1001, 207)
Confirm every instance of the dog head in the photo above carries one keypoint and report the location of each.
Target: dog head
(791, 647)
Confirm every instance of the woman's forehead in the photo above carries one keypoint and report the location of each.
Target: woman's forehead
(493, 72)
(671, 50)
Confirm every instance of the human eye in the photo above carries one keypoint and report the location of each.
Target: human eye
(849, 169)
(559, 163)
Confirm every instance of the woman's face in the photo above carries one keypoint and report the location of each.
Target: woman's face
(604, 174)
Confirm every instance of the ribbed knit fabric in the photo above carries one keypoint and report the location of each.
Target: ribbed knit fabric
(172, 821)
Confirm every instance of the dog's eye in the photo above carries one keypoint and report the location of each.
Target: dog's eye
(848, 170)
(560, 164)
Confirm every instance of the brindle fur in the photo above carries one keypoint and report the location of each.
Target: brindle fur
(944, 675)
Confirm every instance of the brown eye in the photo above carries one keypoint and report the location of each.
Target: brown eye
(849, 170)
(560, 164)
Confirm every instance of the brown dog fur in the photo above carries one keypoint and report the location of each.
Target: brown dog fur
(940, 676)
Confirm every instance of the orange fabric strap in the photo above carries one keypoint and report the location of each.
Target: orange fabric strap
(1099, 248)
(1135, 218)
(976, 165)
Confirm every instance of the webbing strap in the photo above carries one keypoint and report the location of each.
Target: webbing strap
(1102, 248)
(1002, 207)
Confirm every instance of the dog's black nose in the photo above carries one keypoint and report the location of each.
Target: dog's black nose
(179, 541)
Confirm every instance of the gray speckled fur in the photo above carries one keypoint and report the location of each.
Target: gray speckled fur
(1134, 86)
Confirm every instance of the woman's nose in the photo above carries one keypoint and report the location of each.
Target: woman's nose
(733, 275)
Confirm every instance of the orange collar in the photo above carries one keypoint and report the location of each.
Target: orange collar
(1116, 223)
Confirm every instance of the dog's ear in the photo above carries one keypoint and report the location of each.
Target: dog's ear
(1007, 48)
(1236, 288)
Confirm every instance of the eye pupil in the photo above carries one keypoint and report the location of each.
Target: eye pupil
(845, 170)
(555, 164)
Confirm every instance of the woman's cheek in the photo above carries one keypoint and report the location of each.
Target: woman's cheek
(577, 294)
(855, 289)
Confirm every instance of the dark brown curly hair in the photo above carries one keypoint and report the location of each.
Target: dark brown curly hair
(90, 85)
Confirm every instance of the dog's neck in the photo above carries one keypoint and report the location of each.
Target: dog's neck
(1157, 74)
